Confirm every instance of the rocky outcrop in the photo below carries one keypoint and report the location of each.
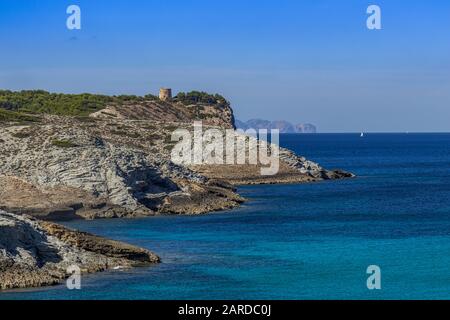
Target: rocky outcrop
(292, 169)
(35, 253)
(66, 168)
(310, 168)
(170, 111)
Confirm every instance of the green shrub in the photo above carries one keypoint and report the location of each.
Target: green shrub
(86, 119)
(64, 144)
(133, 135)
(12, 116)
(22, 134)
(39, 101)
(195, 97)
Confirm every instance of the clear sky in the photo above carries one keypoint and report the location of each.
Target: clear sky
(299, 60)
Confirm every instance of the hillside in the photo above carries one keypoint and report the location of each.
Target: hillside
(117, 162)
(185, 107)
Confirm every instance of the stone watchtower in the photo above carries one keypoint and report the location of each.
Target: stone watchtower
(165, 94)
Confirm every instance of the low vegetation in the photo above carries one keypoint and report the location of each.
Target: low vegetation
(19, 117)
(81, 105)
(64, 144)
(195, 97)
(39, 101)
(22, 134)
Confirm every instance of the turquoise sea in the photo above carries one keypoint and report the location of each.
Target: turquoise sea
(310, 241)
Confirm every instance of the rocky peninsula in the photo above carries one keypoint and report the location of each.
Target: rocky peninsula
(109, 157)
(35, 253)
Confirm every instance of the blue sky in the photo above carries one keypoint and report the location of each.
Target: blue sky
(299, 60)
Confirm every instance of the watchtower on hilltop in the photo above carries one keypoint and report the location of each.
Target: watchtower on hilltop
(165, 94)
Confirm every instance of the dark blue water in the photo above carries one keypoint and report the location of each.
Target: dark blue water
(311, 241)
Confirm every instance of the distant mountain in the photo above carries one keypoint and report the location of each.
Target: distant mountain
(283, 126)
(306, 128)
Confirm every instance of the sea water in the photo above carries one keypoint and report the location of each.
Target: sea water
(307, 241)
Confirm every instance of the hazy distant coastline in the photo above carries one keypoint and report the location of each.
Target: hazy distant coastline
(282, 125)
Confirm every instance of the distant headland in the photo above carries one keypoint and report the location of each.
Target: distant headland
(282, 125)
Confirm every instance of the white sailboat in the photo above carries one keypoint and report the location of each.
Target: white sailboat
(362, 134)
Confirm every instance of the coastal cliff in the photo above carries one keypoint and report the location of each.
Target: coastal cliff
(109, 157)
(35, 253)
(61, 168)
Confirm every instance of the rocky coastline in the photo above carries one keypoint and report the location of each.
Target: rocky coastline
(34, 253)
(114, 163)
